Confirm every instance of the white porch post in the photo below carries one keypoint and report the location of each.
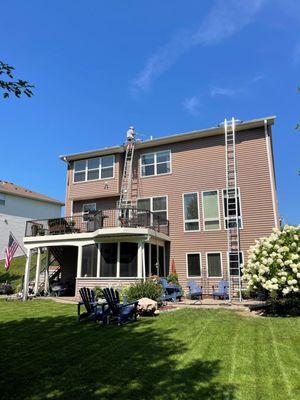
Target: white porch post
(46, 283)
(79, 261)
(38, 271)
(98, 259)
(144, 261)
(26, 276)
(140, 260)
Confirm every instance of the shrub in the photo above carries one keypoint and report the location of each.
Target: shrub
(173, 278)
(98, 293)
(274, 263)
(148, 289)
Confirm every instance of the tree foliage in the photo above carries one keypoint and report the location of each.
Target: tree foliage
(10, 85)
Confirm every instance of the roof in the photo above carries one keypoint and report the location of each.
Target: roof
(11, 188)
(214, 131)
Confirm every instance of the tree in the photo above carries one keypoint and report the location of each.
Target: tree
(11, 85)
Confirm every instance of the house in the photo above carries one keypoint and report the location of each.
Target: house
(181, 208)
(18, 205)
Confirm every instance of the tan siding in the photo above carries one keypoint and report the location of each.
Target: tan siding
(101, 204)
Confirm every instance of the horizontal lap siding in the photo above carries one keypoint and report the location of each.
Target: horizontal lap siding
(101, 204)
(101, 282)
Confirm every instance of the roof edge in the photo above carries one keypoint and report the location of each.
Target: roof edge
(50, 200)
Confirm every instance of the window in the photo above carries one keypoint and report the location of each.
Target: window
(233, 263)
(158, 207)
(211, 215)
(89, 207)
(2, 199)
(89, 260)
(193, 264)
(214, 265)
(109, 257)
(94, 168)
(156, 163)
(191, 212)
(230, 199)
(128, 259)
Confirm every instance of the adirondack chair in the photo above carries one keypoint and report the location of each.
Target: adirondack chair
(94, 311)
(222, 291)
(172, 292)
(195, 291)
(122, 313)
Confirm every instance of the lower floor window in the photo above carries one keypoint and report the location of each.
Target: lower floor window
(154, 260)
(214, 266)
(193, 264)
(234, 263)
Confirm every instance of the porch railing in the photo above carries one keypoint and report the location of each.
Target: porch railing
(110, 218)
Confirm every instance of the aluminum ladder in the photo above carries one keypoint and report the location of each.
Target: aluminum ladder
(232, 204)
(126, 200)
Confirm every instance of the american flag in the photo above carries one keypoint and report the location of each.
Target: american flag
(10, 250)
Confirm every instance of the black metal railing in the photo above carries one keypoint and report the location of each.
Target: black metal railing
(90, 222)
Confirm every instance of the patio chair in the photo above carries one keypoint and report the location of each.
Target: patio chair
(172, 292)
(222, 291)
(195, 291)
(94, 311)
(122, 313)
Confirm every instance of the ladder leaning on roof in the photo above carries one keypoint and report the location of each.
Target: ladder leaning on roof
(126, 200)
(232, 222)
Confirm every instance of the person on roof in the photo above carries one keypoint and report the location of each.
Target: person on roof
(130, 134)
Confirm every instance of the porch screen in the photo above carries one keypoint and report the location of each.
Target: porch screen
(109, 255)
(128, 259)
(214, 265)
(89, 260)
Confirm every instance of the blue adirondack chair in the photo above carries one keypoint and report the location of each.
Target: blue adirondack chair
(122, 313)
(93, 310)
(195, 291)
(172, 292)
(222, 291)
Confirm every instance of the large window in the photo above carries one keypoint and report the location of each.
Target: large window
(89, 207)
(89, 260)
(158, 207)
(156, 163)
(193, 261)
(230, 208)
(233, 263)
(128, 259)
(2, 199)
(214, 265)
(210, 202)
(94, 168)
(191, 212)
(109, 257)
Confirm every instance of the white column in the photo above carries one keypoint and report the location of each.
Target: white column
(26, 276)
(38, 271)
(140, 260)
(46, 283)
(98, 259)
(79, 261)
(144, 261)
(118, 259)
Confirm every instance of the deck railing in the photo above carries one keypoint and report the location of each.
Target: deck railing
(111, 218)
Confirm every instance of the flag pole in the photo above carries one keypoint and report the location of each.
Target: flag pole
(10, 232)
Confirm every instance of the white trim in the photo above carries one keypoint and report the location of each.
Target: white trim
(187, 267)
(93, 169)
(79, 262)
(191, 220)
(214, 252)
(98, 260)
(271, 173)
(241, 212)
(155, 163)
(210, 219)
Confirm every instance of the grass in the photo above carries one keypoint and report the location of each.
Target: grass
(187, 354)
(16, 271)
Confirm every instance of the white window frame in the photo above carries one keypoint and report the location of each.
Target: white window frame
(88, 204)
(151, 205)
(2, 199)
(187, 265)
(155, 163)
(241, 213)
(211, 219)
(94, 169)
(191, 220)
(214, 252)
(242, 252)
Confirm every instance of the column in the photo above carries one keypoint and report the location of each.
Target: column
(140, 260)
(144, 261)
(79, 261)
(98, 259)
(26, 276)
(38, 271)
(46, 283)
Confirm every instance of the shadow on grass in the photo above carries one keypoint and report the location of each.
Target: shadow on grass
(56, 358)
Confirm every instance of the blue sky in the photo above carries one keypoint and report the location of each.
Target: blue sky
(164, 66)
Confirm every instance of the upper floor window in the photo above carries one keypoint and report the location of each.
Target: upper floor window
(2, 199)
(94, 168)
(231, 208)
(158, 207)
(191, 212)
(210, 202)
(156, 163)
(235, 263)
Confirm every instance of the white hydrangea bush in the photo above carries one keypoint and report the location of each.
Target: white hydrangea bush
(274, 262)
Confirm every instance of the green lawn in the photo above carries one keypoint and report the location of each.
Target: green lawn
(186, 354)
(16, 271)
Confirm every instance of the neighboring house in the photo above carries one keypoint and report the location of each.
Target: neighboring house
(179, 187)
(18, 205)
